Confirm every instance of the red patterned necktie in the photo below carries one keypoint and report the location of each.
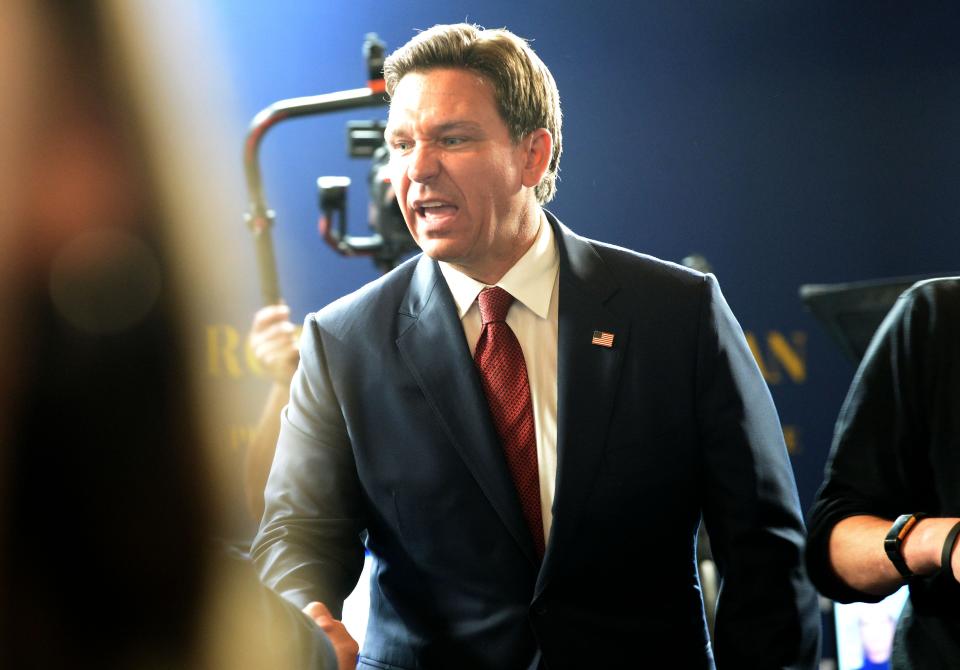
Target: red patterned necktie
(504, 376)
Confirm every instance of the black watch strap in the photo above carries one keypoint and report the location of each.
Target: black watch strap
(893, 543)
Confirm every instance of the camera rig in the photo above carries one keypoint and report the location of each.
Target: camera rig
(390, 239)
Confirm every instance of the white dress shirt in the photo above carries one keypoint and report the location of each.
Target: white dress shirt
(534, 283)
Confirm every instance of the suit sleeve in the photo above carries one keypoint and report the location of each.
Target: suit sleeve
(767, 614)
(308, 546)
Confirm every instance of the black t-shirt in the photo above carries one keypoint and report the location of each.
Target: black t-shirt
(896, 450)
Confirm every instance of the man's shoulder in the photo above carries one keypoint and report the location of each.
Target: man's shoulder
(633, 268)
(943, 291)
(928, 309)
(629, 260)
(926, 303)
(373, 300)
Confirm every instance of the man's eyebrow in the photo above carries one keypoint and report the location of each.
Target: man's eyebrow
(443, 128)
(457, 125)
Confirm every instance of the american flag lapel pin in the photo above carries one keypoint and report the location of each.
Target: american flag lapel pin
(602, 339)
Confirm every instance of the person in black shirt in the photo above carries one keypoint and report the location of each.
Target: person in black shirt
(889, 510)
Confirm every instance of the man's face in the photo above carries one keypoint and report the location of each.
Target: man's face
(458, 175)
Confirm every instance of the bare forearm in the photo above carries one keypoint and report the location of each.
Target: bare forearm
(858, 557)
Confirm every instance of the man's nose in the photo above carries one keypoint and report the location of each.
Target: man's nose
(424, 163)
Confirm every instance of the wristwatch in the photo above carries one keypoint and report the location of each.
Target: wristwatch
(893, 543)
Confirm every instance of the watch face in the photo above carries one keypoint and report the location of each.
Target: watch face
(902, 526)
(894, 539)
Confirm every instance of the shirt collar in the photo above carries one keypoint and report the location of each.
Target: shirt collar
(530, 280)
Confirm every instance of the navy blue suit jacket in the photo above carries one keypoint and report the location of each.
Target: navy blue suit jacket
(387, 437)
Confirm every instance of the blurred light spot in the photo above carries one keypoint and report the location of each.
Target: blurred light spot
(104, 281)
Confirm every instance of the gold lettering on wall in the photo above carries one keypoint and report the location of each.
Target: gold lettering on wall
(782, 358)
(222, 344)
(792, 355)
(791, 435)
(229, 354)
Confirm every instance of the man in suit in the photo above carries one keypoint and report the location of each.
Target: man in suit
(528, 464)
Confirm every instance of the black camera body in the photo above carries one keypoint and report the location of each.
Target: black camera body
(391, 239)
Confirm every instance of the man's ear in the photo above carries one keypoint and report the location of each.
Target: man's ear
(538, 148)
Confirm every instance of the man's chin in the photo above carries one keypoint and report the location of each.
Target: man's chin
(440, 250)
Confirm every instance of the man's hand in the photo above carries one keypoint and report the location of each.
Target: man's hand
(273, 340)
(345, 646)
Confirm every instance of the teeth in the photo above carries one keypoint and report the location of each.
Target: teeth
(427, 205)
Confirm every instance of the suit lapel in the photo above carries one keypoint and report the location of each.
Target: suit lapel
(434, 349)
(587, 377)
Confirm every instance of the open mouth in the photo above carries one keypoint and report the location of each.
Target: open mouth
(435, 210)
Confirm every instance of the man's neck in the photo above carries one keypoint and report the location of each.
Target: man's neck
(493, 269)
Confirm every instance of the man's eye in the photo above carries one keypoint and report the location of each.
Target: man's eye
(399, 145)
(452, 141)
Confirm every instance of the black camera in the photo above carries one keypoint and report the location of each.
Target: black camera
(390, 240)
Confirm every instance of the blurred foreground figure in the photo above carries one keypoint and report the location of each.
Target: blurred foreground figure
(105, 490)
(273, 341)
(889, 510)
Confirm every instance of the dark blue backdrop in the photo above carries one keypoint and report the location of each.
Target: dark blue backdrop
(788, 142)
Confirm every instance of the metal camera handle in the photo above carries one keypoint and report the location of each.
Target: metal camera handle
(260, 218)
